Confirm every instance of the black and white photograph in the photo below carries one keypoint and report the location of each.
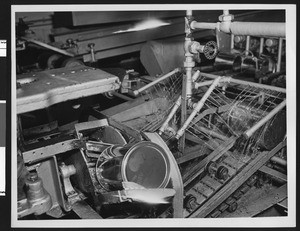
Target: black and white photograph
(153, 115)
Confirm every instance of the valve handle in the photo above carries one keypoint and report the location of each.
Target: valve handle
(210, 50)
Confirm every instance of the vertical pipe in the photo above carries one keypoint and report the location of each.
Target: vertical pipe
(189, 79)
(247, 45)
(198, 107)
(279, 55)
(225, 12)
(261, 45)
(189, 13)
(232, 42)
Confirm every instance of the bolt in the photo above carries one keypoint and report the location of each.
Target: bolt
(32, 176)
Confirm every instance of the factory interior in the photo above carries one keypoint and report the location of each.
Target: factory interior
(151, 114)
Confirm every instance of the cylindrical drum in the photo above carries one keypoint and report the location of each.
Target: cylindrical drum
(144, 163)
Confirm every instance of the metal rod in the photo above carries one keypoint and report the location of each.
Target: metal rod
(196, 76)
(138, 91)
(197, 108)
(232, 41)
(279, 55)
(247, 45)
(212, 133)
(264, 120)
(261, 45)
(189, 80)
(202, 84)
(45, 45)
(203, 25)
(170, 116)
(242, 82)
(121, 96)
(189, 13)
(279, 160)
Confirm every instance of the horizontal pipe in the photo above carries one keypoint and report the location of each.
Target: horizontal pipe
(242, 82)
(121, 96)
(258, 29)
(264, 120)
(138, 91)
(204, 25)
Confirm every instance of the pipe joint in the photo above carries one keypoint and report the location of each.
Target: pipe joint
(226, 17)
(224, 26)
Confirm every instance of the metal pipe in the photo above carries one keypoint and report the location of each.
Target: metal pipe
(212, 133)
(242, 82)
(121, 96)
(197, 108)
(45, 45)
(279, 160)
(247, 45)
(261, 45)
(170, 116)
(203, 25)
(264, 120)
(188, 77)
(196, 76)
(232, 41)
(225, 12)
(138, 91)
(202, 84)
(189, 13)
(279, 55)
(257, 29)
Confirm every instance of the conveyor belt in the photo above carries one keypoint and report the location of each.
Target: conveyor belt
(213, 195)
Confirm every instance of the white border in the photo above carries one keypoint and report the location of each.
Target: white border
(289, 221)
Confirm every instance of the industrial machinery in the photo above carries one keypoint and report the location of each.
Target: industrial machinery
(159, 121)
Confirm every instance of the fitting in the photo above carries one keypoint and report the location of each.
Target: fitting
(226, 17)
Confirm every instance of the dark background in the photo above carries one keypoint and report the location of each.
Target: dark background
(5, 73)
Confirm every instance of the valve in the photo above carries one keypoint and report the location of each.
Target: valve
(210, 50)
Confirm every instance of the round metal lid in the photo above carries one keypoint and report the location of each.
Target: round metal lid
(147, 164)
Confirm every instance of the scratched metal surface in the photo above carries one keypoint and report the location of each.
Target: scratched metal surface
(43, 89)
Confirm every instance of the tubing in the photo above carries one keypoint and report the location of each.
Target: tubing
(170, 116)
(242, 82)
(279, 55)
(197, 108)
(261, 45)
(136, 92)
(264, 120)
(204, 25)
(279, 160)
(196, 76)
(258, 29)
